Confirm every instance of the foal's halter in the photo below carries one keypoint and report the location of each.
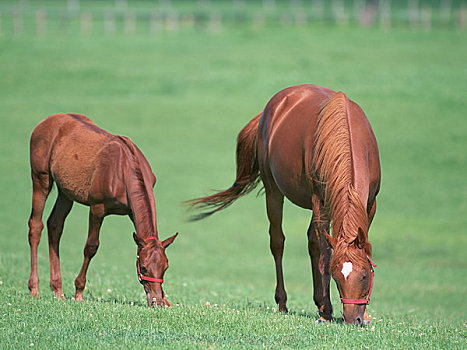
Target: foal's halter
(142, 278)
(367, 299)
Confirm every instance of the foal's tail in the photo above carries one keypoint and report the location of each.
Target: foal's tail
(247, 174)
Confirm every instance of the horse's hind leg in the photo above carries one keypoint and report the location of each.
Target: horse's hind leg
(55, 224)
(274, 206)
(41, 186)
(96, 215)
(320, 255)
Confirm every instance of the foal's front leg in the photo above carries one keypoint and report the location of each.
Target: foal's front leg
(96, 215)
(55, 224)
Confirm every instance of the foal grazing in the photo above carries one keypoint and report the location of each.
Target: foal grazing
(315, 147)
(109, 174)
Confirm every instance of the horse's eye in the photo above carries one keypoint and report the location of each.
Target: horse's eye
(363, 277)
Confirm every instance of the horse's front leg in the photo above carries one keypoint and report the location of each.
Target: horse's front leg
(274, 205)
(96, 215)
(320, 255)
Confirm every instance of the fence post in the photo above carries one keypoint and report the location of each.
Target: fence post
(238, 5)
(129, 23)
(203, 4)
(73, 5)
(338, 10)
(385, 14)
(462, 17)
(425, 15)
(413, 12)
(110, 26)
(171, 22)
(41, 22)
(17, 22)
(121, 4)
(86, 23)
(296, 5)
(269, 5)
(155, 26)
(215, 22)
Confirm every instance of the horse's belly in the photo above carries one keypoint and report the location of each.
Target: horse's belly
(72, 169)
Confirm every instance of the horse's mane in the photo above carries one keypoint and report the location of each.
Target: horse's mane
(139, 190)
(332, 160)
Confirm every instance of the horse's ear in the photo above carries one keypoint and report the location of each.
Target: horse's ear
(361, 239)
(168, 241)
(139, 242)
(331, 240)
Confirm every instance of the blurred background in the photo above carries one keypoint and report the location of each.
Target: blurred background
(158, 16)
(181, 78)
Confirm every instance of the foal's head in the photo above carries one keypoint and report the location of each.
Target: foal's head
(151, 264)
(352, 269)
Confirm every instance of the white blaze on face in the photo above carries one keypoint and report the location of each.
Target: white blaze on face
(346, 269)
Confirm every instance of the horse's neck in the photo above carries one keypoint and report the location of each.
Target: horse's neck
(142, 205)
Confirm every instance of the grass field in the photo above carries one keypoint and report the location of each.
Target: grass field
(182, 99)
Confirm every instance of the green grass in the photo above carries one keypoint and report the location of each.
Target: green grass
(182, 99)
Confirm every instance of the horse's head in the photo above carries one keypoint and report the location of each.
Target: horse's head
(151, 264)
(352, 269)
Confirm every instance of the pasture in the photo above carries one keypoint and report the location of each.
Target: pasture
(182, 99)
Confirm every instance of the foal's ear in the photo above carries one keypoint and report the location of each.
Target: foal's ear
(331, 240)
(168, 241)
(139, 242)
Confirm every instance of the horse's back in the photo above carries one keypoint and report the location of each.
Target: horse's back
(287, 134)
(69, 147)
(288, 120)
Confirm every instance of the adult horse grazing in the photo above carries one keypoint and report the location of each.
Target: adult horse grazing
(109, 174)
(315, 147)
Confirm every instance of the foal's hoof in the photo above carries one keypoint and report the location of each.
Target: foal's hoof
(34, 294)
(322, 320)
(166, 303)
(78, 297)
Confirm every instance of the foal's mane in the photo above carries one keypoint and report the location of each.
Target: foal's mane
(139, 190)
(332, 160)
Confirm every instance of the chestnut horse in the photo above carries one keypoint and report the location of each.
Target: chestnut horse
(315, 147)
(109, 174)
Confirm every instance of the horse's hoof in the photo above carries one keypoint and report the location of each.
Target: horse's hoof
(283, 309)
(34, 295)
(366, 322)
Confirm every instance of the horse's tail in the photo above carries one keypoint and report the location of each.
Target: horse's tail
(247, 174)
(332, 162)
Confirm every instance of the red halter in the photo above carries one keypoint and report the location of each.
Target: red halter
(140, 276)
(367, 300)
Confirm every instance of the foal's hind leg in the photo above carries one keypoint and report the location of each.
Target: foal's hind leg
(274, 205)
(41, 185)
(320, 255)
(96, 215)
(55, 224)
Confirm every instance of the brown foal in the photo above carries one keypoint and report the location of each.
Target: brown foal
(109, 174)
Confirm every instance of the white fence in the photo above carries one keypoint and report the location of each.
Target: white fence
(164, 17)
